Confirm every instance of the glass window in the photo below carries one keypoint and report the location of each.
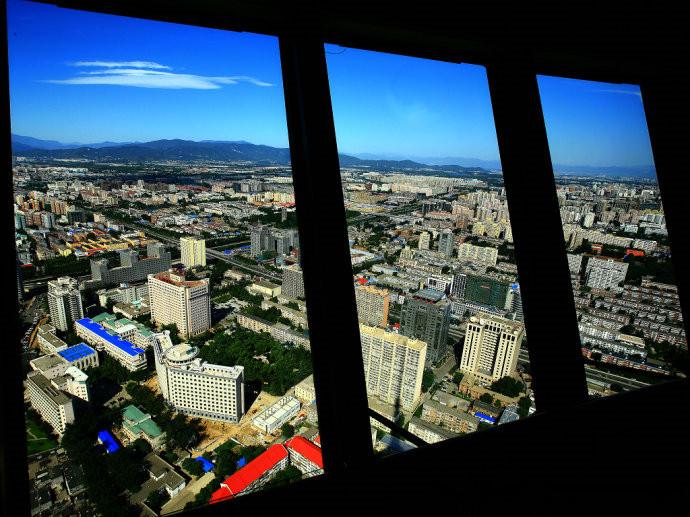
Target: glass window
(167, 353)
(630, 321)
(436, 284)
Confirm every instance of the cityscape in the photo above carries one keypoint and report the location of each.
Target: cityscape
(166, 346)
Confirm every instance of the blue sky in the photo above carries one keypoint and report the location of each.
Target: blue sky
(81, 77)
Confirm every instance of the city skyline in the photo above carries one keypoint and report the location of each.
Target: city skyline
(169, 81)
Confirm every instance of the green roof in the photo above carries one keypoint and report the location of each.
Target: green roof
(139, 422)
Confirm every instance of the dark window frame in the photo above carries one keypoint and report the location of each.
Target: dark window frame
(512, 72)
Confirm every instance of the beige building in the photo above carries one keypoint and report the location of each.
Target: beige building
(192, 251)
(51, 403)
(393, 366)
(372, 306)
(478, 254)
(265, 289)
(492, 346)
(305, 390)
(185, 303)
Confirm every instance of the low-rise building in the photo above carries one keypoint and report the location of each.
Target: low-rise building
(277, 414)
(137, 424)
(51, 403)
(126, 353)
(429, 432)
(305, 391)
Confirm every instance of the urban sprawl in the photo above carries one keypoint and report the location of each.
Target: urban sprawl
(167, 341)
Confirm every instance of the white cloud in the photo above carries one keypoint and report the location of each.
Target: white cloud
(118, 64)
(147, 74)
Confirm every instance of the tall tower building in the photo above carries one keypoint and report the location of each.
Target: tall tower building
(193, 251)
(424, 241)
(393, 366)
(425, 315)
(185, 303)
(445, 243)
(372, 305)
(293, 282)
(492, 347)
(64, 301)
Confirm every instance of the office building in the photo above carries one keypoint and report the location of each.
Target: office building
(492, 346)
(393, 366)
(478, 254)
(446, 243)
(372, 305)
(193, 251)
(51, 403)
(293, 282)
(109, 341)
(605, 273)
(195, 387)
(64, 301)
(185, 303)
(425, 315)
(132, 268)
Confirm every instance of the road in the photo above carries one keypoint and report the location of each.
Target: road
(592, 374)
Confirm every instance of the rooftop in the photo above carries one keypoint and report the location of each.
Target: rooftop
(76, 352)
(125, 346)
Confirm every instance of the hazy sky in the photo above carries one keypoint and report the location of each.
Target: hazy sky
(81, 77)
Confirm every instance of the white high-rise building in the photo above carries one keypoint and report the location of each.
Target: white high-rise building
(393, 366)
(197, 388)
(492, 347)
(64, 301)
(605, 273)
(193, 251)
(424, 241)
(185, 303)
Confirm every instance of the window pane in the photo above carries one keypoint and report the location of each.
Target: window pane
(435, 279)
(167, 350)
(619, 255)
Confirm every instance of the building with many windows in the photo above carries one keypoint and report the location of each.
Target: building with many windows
(195, 387)
(492, 346)
(185, 303)
(123, 351)
(393, 366)
(50, 402)
(605, 273)
(193, 251)
(425, 315)
(372, 305)
(132, 268)
(479, 254)
(293, 282)
(64, 301)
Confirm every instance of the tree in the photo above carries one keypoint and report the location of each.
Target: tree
(174, 332)
(485, 397)
(193, 467)
(428, 379)
(157, 499)
(523, 406)
(287, 430)
(508, 386)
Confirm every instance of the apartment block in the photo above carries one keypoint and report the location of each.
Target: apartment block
(372, 305)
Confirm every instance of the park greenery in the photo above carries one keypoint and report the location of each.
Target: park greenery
(286, 365)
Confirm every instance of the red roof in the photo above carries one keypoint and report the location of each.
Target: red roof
(240, 480)
(307, 449)
(362, 281)
(317, 439)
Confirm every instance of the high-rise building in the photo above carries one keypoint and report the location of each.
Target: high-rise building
(425, 315)
(193, 251)
(478, 254)
(132, 268)
(605, 273)
(197, 388)
(492, 347)
(424, 241)
(393, 366)
(457, 289)
(185, 303)
(372, 305)
(293, 282)
(446, 242)
(64, 301)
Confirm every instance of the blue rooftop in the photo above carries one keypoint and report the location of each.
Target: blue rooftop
(109, 441)
(76, 352)
(125, 346)
(485, 417)
(205, 464)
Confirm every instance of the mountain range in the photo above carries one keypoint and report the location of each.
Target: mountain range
(218, 150)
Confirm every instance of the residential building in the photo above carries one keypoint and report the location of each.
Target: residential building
(425, 315)
(429, 432)
(52, 404)
(195, 387)
(393, 366)
(446, 243)
(372, 305)
(293, 282)
(492, 346)
(450, 418)
(64, 302)
(305, 455)
(605, 273)
(305, 391)
(192, 251)
(478, 254)
(424, 241)
(185, 303)
(132, 268)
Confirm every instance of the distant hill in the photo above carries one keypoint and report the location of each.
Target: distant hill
(19, 142)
